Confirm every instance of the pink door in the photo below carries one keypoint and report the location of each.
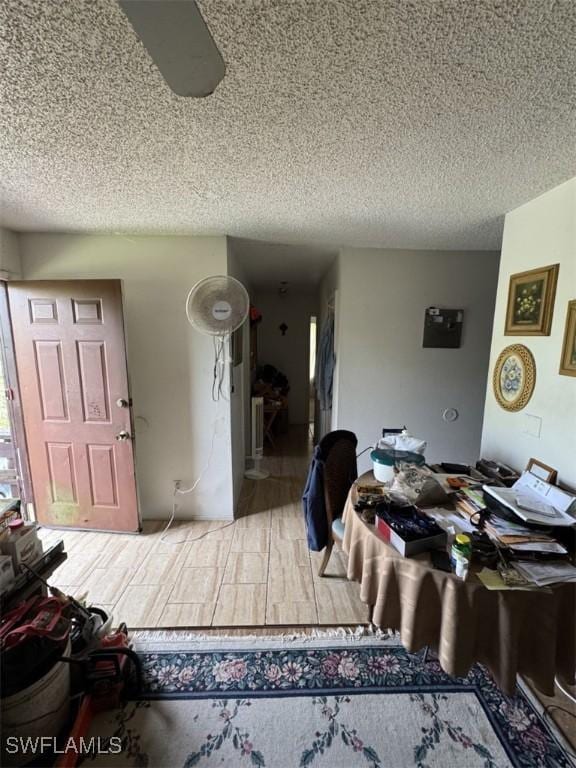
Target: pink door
(71, 361)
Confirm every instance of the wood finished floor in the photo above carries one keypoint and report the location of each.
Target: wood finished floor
(255, 572)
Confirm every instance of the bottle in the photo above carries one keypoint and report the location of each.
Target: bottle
(460, 555)
(21, 542)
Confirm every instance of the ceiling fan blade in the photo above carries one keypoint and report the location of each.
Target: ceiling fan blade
(178, 40)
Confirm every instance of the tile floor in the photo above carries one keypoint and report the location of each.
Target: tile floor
(255, 575)
(255, 572)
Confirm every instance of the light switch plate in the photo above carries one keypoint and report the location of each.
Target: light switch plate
(532, 425)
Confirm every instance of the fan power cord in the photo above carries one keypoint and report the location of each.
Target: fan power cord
(219, 373)
(185, 491)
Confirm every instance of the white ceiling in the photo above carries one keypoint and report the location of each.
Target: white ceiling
(368, 122)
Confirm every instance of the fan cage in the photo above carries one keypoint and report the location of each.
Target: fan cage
(217, 305)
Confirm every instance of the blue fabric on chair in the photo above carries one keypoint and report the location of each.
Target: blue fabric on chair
(325, 362)
(332, 472)
(338, 528)
(315, 505)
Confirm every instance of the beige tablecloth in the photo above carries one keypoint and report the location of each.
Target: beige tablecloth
(530, 633)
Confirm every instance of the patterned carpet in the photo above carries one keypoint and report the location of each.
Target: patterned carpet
(319, 703)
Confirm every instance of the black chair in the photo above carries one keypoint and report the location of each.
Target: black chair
(338, 450)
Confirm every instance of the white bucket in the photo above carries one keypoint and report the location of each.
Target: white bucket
(41, 709)
(382, 472)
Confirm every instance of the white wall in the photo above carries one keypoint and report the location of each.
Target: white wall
(384, 375)
(9, 254)
(170, 364)
(289, 353)
(540, 233)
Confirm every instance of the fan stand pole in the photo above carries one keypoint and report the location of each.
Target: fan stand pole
(256, 473)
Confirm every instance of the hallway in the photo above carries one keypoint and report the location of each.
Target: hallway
(254, 572)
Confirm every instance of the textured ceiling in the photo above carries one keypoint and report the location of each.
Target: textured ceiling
(402, 123)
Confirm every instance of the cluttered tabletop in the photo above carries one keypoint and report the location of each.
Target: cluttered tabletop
(474, 561)
(512, 534)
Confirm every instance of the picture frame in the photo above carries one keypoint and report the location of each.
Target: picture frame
(568, 359)
(530, 306)
(514, 377)
(542, 471)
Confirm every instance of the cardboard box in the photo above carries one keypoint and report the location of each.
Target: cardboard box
(24, 548)
(6, 572)
(413, 547)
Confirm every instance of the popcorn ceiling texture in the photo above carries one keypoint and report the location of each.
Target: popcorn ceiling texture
(412, 124)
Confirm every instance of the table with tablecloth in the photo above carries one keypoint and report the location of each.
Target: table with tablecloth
(512, 632)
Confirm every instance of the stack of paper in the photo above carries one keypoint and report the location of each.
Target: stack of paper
(543, 574)
(469, 502)
(507, 533)
(523, 542)
(545, 547)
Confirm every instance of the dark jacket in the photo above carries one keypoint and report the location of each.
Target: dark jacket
(338, 474)
(314, 504)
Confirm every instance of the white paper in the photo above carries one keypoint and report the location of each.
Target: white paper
(446, 519)
(507, 497)
(551, 494)
(506, 527)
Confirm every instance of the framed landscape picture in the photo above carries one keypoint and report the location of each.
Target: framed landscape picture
(568, 361)
(531, 302)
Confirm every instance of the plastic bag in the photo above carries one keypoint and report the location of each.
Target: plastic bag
(403, 442)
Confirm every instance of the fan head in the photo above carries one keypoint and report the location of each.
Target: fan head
(217, 305)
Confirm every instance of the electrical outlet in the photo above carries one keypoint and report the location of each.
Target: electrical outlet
(177, 484)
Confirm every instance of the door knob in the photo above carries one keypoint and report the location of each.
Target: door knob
(123, 403)
(123, 435)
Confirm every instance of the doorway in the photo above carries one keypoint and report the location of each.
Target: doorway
(286, 284)
(312, 407)
(10, 477)
(283, 363)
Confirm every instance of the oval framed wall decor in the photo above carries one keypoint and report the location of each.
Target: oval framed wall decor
(514, 377)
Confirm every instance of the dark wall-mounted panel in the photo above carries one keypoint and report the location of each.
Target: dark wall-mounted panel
(442, 327)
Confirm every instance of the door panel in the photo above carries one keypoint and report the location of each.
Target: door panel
(94, 384)
(62, 473)
(51, 380)
(102, 475)
(71, 360)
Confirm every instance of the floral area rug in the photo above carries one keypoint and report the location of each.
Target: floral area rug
(317, 704)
